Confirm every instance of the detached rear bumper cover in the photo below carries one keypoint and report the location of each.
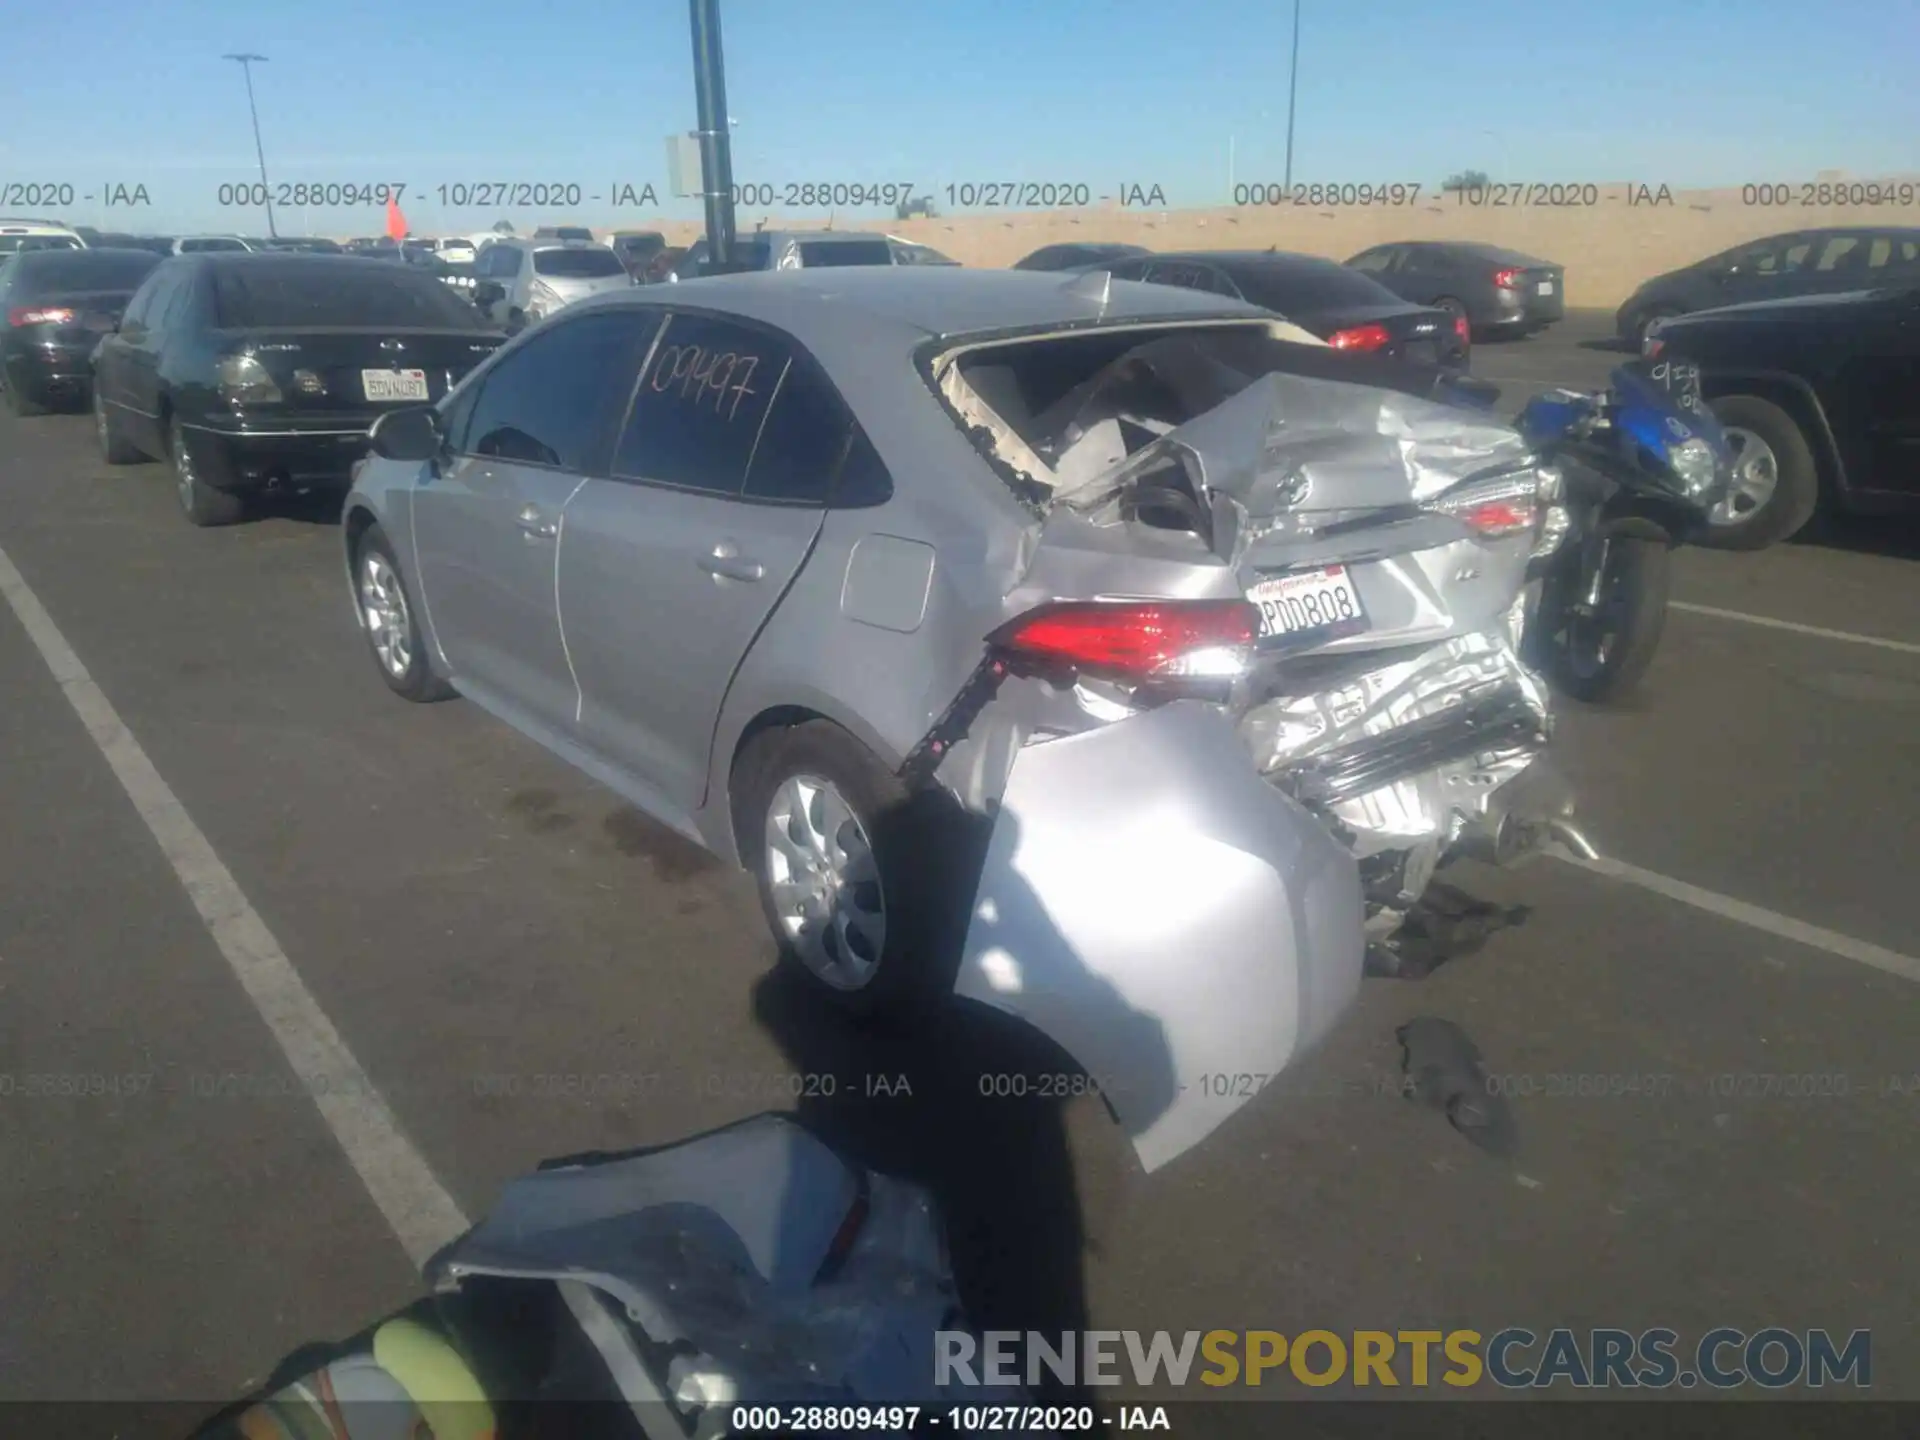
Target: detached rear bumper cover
(1170, 921)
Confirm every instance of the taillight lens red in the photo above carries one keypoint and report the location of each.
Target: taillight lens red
(1137, 640)
(1360, 337)
(1495, 508)
(1462, 331)
(1507, 279)
(38, 315)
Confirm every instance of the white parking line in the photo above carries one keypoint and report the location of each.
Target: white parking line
(422, 1214)
(1862, 952)
(1903, 646)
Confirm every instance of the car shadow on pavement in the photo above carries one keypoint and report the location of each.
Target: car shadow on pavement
(1896, 537)
(974, 1104)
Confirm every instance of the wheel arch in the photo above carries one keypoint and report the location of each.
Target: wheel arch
(717, 814)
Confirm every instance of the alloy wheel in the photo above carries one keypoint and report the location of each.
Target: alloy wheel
(1756, 475)
(825, 882)
(383, 609)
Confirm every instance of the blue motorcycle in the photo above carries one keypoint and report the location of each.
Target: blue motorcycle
(1641, 464)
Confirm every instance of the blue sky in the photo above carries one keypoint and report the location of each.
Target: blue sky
(1101, 92)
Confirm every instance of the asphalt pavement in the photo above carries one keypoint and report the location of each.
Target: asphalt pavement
(521, 967)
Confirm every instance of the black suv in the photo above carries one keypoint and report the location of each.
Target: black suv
(1820, 397)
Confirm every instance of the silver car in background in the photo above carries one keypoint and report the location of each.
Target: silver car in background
(517, 281)
(1071, 646)
(812, 250)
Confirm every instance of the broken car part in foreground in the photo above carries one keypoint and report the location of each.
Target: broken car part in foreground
(1293, 697)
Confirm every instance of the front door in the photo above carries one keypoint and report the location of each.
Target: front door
(1877, 397)
(488, 520)
(674, 564)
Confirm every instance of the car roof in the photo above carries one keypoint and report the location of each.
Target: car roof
(27, 222)
(1243, 257)
(914, 303)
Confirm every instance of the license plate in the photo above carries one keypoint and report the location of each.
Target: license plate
(1309, 605)
(394, 384)
(1545, 287)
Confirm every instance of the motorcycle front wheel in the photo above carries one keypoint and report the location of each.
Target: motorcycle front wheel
(1599, 645)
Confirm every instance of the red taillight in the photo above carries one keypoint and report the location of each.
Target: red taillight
(1361, 337)
(1137, 640)
(1462, 331)
(37, 315)
(1499, 517)
(1500, 506)
(1507, 279)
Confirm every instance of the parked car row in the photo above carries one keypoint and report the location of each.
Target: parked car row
(674, 533)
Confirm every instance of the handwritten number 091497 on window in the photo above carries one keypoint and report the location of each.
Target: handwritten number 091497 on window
(698, 374)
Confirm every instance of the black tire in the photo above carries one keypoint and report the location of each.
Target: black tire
(1796, 493)
(106, 430)
(200, 502)
(1453, 307)
(916, 884)
(416, 680)
(1634, 602)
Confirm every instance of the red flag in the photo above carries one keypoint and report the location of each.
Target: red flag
(396, 222)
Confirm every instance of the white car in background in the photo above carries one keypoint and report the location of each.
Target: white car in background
(457, 250)
(201, 244)
(24, 234)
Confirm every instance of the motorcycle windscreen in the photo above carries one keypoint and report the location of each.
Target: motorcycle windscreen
(1176, 925)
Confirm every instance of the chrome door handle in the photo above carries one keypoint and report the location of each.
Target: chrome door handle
(726, 563)
(536, 525)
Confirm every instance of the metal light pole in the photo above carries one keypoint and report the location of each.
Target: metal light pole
(716, 142)
(1293, 83)
(246, 65)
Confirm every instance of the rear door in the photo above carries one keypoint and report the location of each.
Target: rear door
(486, 522)
(674, 562)
(137, 357)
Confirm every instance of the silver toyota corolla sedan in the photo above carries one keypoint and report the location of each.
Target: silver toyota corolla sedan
(875, 582)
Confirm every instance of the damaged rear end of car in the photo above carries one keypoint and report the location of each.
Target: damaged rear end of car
(1254, 681)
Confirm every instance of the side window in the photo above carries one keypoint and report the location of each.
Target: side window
(700, 405)
(1762, 258)
(1899, 252)
(863, 479)
(1221, 283)
(512, 259)
(151, 301)
(1184, 273)
(1840, 252)
(550, 401)
(803, 440)
(456, 414)
(1794, 258)
(177, 306)
(1373, 262)
(1129, 270)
